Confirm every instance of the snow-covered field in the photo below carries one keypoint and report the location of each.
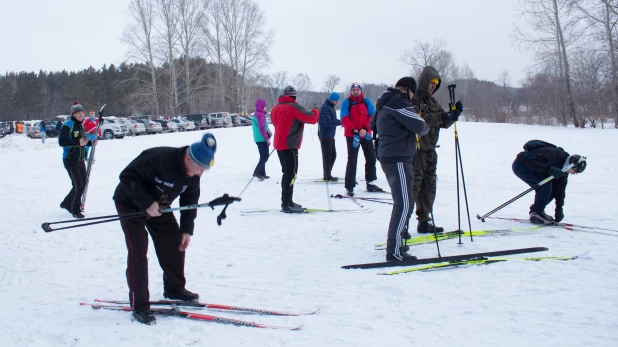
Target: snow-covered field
(292, 262)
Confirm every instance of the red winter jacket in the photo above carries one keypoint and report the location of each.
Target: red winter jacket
(289, 119)
(359, 115)
(90, 124)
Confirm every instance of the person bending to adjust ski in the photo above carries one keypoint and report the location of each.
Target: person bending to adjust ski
(150, 183)
(396, 126)
(539, 160)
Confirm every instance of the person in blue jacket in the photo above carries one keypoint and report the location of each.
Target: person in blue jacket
(327, 125)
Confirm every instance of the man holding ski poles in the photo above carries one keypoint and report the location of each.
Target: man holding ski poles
(539, 160)
(150, 183)
(426, 165)
(73, 140)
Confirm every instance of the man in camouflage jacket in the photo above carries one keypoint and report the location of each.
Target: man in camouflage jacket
(436, 118)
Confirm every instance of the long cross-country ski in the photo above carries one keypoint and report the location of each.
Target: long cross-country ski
(307, 210)
(475, 261)
(444, 259)
(213, 307)
(557, 223)
(175, 312)
(419, 240)
(567, 226)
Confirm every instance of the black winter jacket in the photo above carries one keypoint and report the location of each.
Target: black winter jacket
(396, 125)
(158, 174)
(540, 160)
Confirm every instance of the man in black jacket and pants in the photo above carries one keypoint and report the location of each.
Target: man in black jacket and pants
(396, 125)
(150, 183)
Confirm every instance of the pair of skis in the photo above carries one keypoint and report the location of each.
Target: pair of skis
(567, 226)
(91, 159)
(474, 261)
(173, 310)
(429, 238)
(305, 211)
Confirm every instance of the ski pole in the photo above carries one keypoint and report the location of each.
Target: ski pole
(251, 180)
(534, 187)
(223, 200)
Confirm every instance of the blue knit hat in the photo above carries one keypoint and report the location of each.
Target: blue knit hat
(334, 96)
(203, 152)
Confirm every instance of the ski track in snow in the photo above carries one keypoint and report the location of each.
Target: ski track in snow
(292, 262)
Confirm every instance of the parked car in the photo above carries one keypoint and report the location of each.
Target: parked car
(167, 125)
(220, 120)
(152, 127)
(134, 127)
(184, 124)
(118, 122)
(235, 119)
(245, 120)
(34, 132)
(3, 132)
(200, 119)
(111, 129)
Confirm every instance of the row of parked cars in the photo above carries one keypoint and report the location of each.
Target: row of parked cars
(118, 127)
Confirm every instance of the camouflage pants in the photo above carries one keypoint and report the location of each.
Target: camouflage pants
(425, 183)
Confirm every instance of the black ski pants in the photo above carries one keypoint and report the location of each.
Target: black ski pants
(329, 155)
(400, 177)
(370, 162)
(166, 237)
(77, 173)
(289, 166)
(260, 169)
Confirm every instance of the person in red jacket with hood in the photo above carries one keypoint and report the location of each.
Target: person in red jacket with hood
(356, 114)
(289, 119)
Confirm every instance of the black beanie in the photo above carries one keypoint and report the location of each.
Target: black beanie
(407, 82)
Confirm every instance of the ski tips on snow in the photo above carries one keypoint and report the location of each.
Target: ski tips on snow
(474, 261)
(174, 311)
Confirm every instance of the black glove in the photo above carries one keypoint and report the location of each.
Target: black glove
(559, 214)
(451, 116)
(554, 171)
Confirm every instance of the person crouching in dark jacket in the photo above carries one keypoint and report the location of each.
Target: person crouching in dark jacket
(327, 126)
(396, 125)
(539, 160)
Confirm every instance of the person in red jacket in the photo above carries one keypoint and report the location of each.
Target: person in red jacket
(90, 126)
(356, 114)
(289, 119)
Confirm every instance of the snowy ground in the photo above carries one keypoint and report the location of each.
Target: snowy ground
(292, 262)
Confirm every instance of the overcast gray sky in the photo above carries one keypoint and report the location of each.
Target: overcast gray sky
(360, 40)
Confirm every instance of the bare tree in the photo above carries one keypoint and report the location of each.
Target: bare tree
(332, 81)
(139, 36)
(552, 29)
(602, 16)
(167, 12)
(189, 33)
(431, 54)
(302, 83)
